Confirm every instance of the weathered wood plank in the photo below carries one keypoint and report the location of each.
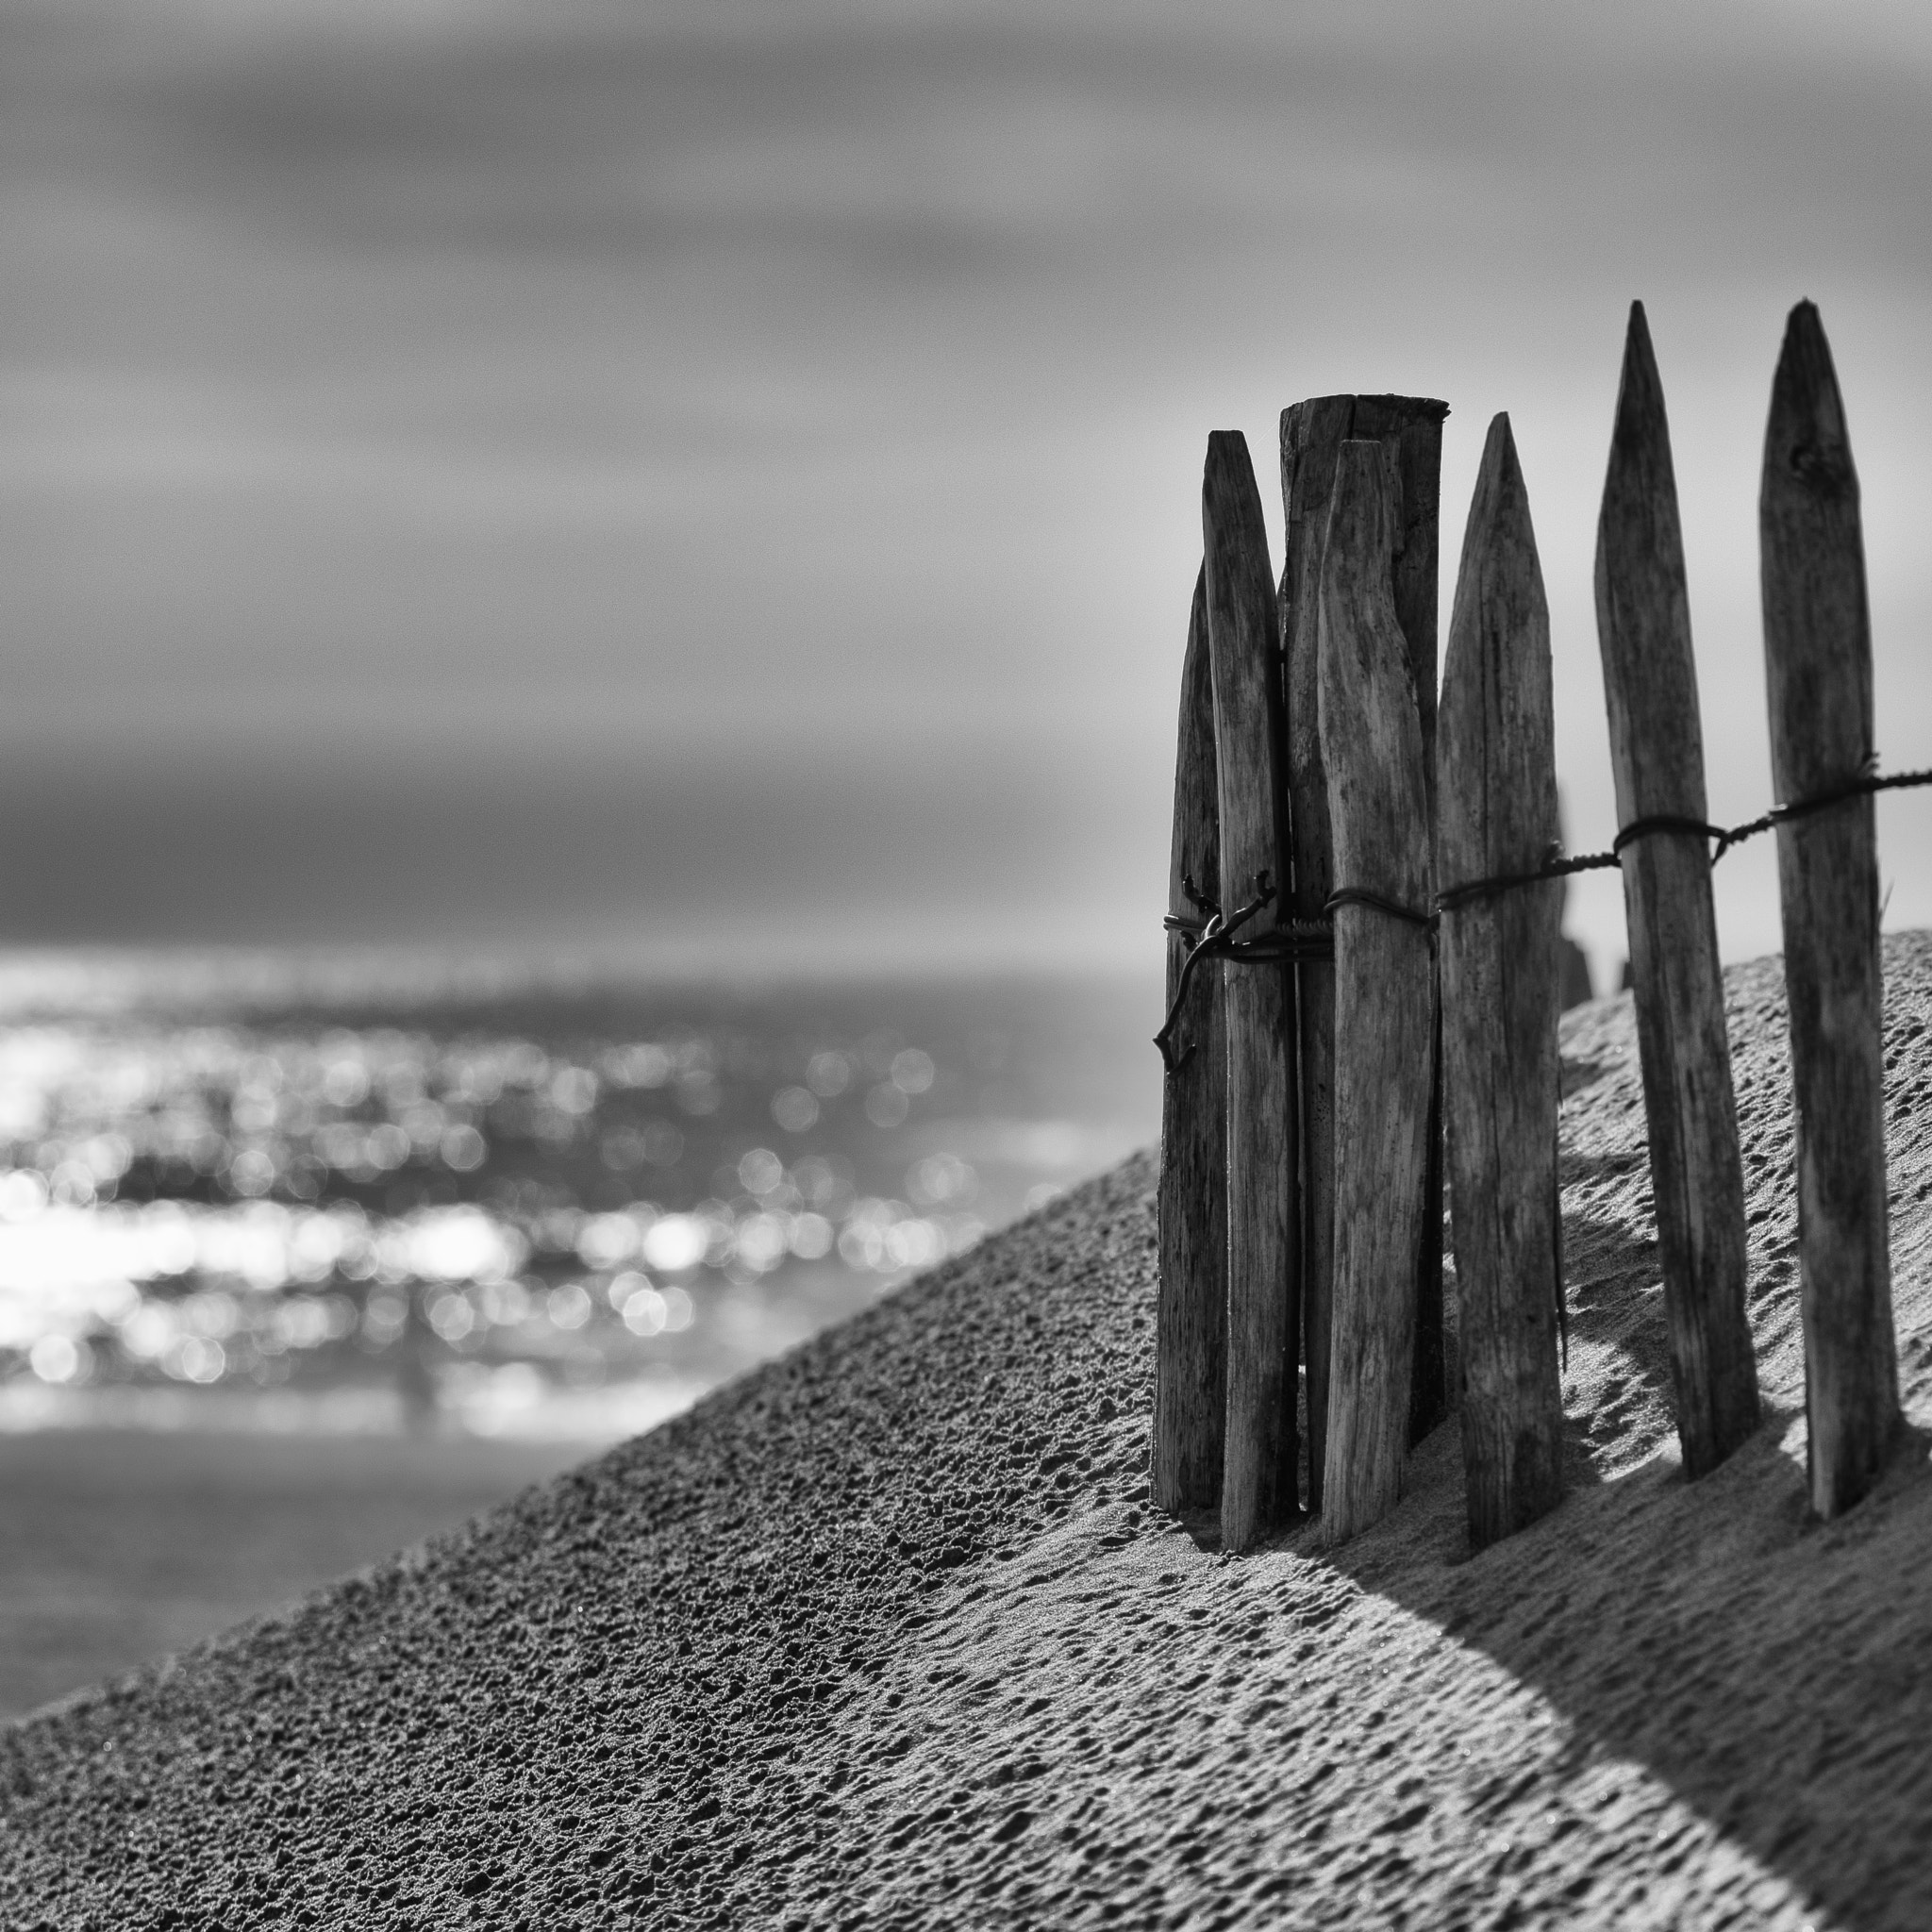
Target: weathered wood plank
(1414, 426)
(1818, 665)
(1311, 434)
(1496, 778)
(1656, 755)
(1384, 1005)
(1257, 1489)
(1190, 1322)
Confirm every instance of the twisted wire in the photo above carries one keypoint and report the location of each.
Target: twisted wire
(1306, 940)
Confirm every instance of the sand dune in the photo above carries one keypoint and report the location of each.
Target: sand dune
(886, 1634)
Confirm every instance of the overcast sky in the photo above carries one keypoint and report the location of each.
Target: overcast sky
(726, 478)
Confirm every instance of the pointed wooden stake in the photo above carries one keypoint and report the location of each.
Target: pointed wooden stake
(1258, 1475)
(1818, 665)
(1497, 793)
(1311, 434)
(1657, 753)
(1190, 1339)
(1384, 994)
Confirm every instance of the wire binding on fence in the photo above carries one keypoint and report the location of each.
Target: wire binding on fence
(1307, 939)
(1214, 939)
(1355, 895)
(1863, 785)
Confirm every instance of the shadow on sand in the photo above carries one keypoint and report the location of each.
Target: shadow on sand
(1775, 1672)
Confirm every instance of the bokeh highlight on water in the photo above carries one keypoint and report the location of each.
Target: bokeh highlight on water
(432, 1201)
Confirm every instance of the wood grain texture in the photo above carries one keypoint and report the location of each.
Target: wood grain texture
(1657, 754)
(1190, 1322)
(1496, 776)
(1312, 433)
(1818, 666)
(1259, 1485)
(1384, 996)
(1414, 426)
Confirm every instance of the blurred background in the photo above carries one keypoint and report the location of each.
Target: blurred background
(592, 598)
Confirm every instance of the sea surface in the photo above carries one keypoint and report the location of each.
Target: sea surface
(406, 1195)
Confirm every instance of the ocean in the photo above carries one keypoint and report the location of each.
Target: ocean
(411, 1195)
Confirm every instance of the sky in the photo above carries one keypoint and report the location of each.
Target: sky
(723, 479)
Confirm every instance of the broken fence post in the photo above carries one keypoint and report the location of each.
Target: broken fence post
(1657, 754)
(1191, 1325)
(1312, 432)
(1497, 799)
(1384, 992)
(1259, 1456)
(1818, 665)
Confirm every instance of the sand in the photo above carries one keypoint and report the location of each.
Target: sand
(886, 1634)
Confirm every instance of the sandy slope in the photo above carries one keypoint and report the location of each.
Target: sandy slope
(886, 1635)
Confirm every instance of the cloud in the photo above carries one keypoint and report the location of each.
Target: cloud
(567, 372)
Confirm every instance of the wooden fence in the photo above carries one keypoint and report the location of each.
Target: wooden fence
(1363, 967)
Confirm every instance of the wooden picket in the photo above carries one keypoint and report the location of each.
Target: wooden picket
(1383, 991)
(1312, 433)
(1657, 756)
(1818, 666)
(1496, 776)
(1190, 1352)
(1260, 1453)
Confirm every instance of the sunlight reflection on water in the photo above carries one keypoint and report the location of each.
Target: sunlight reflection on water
(511, 1211)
